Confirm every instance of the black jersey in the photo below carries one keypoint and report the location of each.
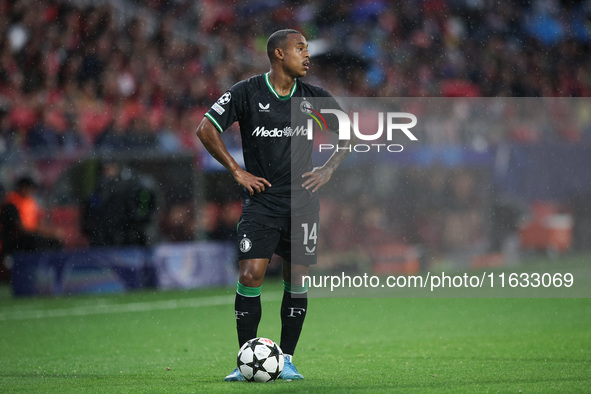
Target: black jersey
(274, 144)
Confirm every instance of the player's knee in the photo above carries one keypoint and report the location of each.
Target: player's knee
(252, 272)
(251, 279)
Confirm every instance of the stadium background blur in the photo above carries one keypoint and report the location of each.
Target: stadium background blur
(86, 83)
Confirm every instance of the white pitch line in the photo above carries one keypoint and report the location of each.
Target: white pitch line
(148, 306)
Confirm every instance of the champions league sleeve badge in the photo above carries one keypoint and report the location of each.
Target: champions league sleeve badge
(225, 98)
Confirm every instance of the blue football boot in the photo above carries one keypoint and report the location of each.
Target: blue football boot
(290, 372)
(234, 376)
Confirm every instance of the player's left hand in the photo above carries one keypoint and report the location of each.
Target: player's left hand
(316, 178)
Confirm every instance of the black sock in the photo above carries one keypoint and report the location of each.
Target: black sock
(248, 315)
(293, 313)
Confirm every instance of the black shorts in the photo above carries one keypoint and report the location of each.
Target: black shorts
(294, 239)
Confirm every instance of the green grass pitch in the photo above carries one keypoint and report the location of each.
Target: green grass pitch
(185, 342)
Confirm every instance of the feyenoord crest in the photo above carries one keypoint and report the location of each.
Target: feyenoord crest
(245, 244)
(306, 106)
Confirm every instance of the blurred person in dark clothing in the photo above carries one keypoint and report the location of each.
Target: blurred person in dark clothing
(120, 209)
(42, 138)
(21, 225)
(111, 139)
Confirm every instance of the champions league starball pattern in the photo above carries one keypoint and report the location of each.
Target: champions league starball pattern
(260, 360)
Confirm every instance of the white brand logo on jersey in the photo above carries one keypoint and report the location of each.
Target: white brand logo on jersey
(285, 132)
(264, 108)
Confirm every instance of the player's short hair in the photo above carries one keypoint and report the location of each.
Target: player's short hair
(277, 40)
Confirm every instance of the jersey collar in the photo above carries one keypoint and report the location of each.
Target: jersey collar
(272, 89)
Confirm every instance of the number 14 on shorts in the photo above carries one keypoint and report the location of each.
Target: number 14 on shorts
(310, 236)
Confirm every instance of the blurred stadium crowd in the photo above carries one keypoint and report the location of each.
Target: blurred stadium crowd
(81, 77)
(90, 75)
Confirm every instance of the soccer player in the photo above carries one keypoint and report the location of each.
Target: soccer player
(280, 206)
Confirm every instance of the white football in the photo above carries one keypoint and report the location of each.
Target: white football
(260, 360)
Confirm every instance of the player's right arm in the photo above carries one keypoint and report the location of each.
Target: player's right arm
(211, 139)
